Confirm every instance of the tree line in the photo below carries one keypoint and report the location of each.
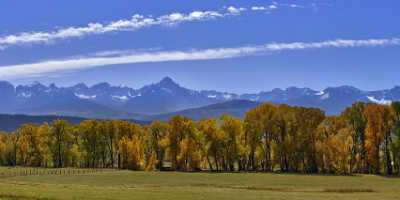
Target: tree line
(365, 138)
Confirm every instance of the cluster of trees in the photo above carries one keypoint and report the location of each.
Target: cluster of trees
(365, 138)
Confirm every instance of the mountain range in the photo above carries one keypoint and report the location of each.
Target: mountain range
(166, 98)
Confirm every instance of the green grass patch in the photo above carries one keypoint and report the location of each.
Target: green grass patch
(122, 185)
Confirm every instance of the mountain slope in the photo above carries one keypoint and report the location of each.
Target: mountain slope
(12, 122)
(236, 108)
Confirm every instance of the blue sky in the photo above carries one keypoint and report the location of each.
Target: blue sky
(235, 46)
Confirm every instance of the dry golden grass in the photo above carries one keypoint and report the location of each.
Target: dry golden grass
(175, 185)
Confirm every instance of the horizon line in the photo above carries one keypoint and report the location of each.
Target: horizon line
(196, 89)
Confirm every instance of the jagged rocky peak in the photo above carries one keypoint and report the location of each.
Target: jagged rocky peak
(167, 82)
(344, 88)
(80, 86)
(100, 86)
(38, 86)
(6, 85)
(6, 89)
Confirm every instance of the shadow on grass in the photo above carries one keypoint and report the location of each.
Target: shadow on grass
(351, 190)
(21, 197)
(275, 173)
(286, 189)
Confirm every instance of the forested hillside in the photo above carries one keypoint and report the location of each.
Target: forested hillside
(236, 108)
(10, 123)
(365, 138)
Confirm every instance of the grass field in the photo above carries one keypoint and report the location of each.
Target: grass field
(176, 186)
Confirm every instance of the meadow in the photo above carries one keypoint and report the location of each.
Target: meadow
(120, 184)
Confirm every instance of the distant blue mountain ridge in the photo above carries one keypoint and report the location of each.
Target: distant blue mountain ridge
(166, 98)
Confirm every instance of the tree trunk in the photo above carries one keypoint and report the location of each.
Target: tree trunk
(267, 159)
(388, 160)
(364, 167)
(251, 160)
(377, 163)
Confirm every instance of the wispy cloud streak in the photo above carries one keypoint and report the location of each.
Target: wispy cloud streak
(135, 23)
(59, 66)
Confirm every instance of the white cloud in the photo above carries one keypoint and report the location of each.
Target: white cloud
(296, 6)
(234, 10)
(261, 8)
(274, 6)
(258, 8)
(271, 7)
(123, 52)
(53, 66)
(135, 23)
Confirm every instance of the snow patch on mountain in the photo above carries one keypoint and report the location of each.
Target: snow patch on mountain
(83, 96)
(119, 98)
(25, 95)
(134, 96)
(257, 98)
(379, 101)
(227, 96)
(166, 90)
(325, 96)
